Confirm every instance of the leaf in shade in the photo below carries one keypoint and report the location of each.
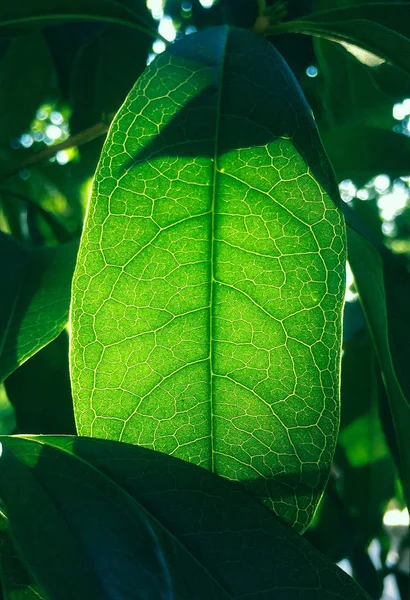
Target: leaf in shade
(360, 153)
(141, 524)
(383, 284)
(207, 299)
(381, 29)
(98, 87)
(23, 16)
(16, 581)
(35, 302)
(20, 96)
(40, 391)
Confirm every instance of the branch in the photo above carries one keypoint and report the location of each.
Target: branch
(78, 139)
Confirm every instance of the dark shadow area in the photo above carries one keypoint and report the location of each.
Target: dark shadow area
(245, 101)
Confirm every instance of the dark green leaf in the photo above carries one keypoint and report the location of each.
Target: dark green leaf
(40, 391)
(368, 471)
(25, 77)
(35, 299)
(381, 29)
(21, 16)
(98, 86)
(16, 582)
(379, 280)
(209, 287)
(165, 528)
(361, 152)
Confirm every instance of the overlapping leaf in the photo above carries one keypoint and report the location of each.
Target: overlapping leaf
(381, 29)
(207, 298)
(384, 288)
(140, 524)
(22, 16)
(35, 298)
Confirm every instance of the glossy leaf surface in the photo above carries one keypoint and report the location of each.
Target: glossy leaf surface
(166, 528)
(373, 31)
(35, 298)
(208, 291)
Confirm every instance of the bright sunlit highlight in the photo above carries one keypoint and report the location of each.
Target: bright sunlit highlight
(347, 190)
(312, 71)
(401, 109)
(41, 114)
(396, 518)
(350, 296)
(157, 8)
(56, 118)
(391, 205)
(26, 140)
(53, 132)
(363, 194)
(158, 46)
(382, 183)
(62, 157)
(206, 3)
(166, 29)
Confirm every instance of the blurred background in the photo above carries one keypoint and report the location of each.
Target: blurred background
(59, 90)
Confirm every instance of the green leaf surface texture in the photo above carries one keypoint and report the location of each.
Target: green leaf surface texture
(380, 28)
(147, 525)
(207, 297)
(35, 299)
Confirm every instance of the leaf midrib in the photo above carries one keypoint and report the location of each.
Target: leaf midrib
(212, 257)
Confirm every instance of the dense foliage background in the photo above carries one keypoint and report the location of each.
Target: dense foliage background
(61, 82)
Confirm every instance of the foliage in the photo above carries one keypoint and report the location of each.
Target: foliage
(191, 442)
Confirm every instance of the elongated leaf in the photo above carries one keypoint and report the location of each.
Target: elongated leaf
(157, 522)
(16, 582)
(207, 299)
(22, 16)
(352, 97)
(379, 28)
(381, 299)
(35, 298)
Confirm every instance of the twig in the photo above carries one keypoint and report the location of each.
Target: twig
(75, 140)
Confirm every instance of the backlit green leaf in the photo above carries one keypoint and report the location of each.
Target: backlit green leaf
(208, 292)
(35, 298)
(139, 524)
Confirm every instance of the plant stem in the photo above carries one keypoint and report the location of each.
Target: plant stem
(75, 140)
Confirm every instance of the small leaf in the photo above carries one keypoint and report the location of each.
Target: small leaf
(139, 524)
(207, 299)
(23, 16)
(381, 29)
(35, 299)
